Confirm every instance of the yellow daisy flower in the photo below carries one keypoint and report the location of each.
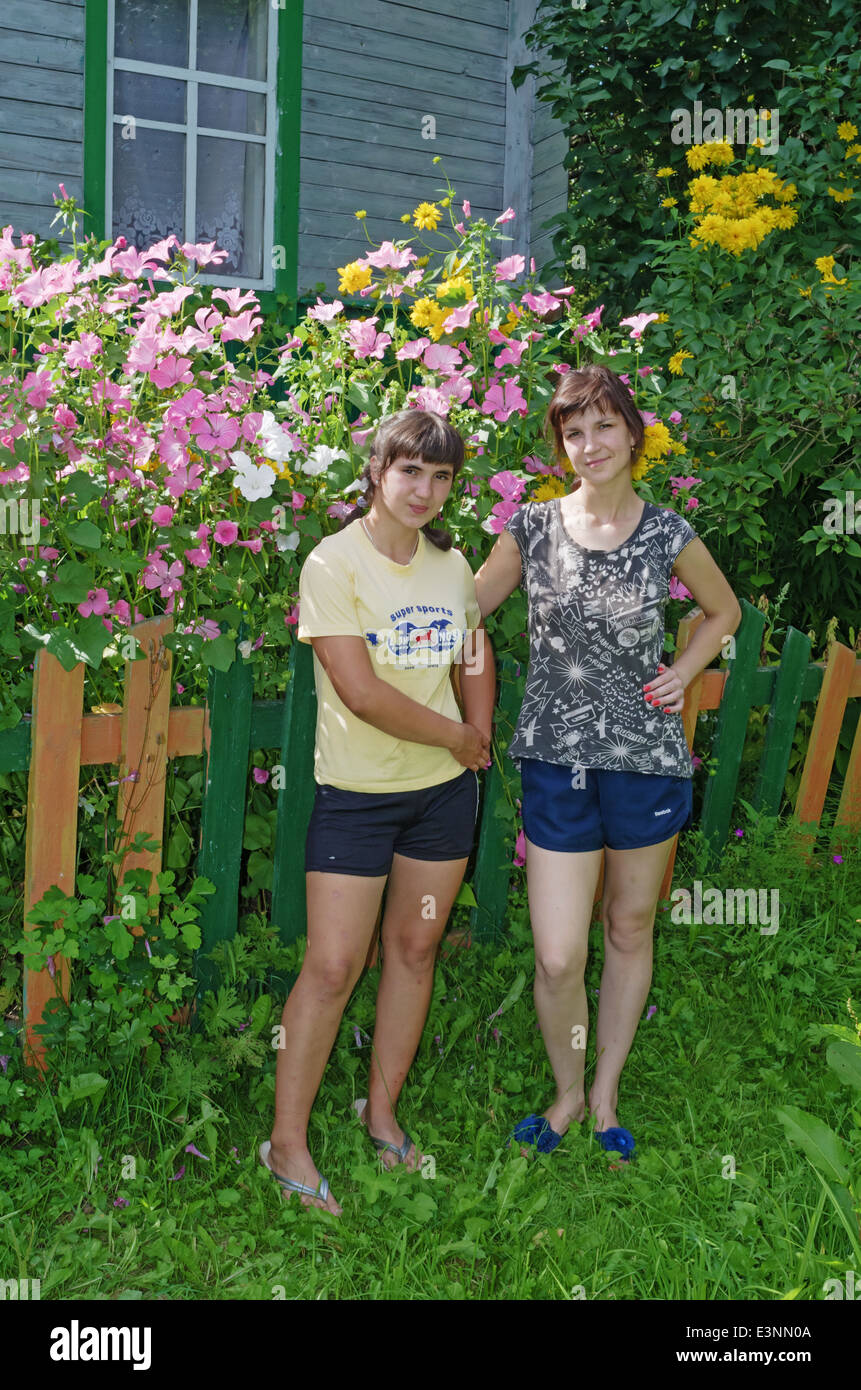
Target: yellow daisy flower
(675, 362)
(847, 131)
(427, 217)
(354, 277)
(664, 173)
(550, 486)
(669, 203)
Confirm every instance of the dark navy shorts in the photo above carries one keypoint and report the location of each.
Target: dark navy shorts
(572, 811)
(359, 832)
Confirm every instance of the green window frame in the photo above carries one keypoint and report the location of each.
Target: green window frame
(285, 202)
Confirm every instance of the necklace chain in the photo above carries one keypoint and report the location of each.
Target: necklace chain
(380, 552)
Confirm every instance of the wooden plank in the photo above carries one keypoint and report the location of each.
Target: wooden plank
(551, 186)
(830, 708)
(782, 721)
(32, 118)
(549, 154)
(373, 159)
(340, 87)
(451, 142)
(26, 84)
(35, 189)
(62, 157)
(517, 179)
(35, 50)
(15, 747)
(368, 66)
(143, 748)
(412, 186)
(402, 53)
(849, 810)
(296, 797)
(493, 865)
(51, 835)
(731, 730)
(388, 22)
(492, 12)
(324, 114)
(342, 226)
(227, 728)
(42, 17)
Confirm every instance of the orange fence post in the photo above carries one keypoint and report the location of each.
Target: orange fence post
(146, 714)
(830, 707)
(52, 821)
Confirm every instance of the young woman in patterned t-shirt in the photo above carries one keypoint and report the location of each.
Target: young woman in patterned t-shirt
(604, 763)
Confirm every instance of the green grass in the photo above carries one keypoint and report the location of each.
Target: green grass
(735, 1035)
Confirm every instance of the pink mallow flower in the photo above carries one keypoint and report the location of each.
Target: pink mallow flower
(226, 532)
(365, 340)
(510, 268)
(637, 323)
(678, 590)
(96, 602)
(509, 487)
(503, 399)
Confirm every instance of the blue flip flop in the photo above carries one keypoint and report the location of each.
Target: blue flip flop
(535, 1129)
(616, 1140)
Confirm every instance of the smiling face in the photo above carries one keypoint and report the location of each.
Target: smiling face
(412, 491)
(598, 443)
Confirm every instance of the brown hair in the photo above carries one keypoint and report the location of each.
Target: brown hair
(592, 386)
(413, 434)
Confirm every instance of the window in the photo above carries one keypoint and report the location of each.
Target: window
(192, 94)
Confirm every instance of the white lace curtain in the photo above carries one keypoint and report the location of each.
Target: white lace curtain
(149, 170)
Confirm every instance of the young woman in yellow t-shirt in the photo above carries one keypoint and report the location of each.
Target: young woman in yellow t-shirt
(389, 606)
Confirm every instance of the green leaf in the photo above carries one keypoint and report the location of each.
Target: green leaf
(220, 653)
(84, 535)
(823, 1148)
(513, 994)
(779, 63)
(81, 486)
(258, 832)
(73, 583)
(845, 1059)
(363, 395)
(465, 897)
(82, 1087)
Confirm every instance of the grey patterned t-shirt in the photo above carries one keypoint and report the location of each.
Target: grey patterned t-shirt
(596, 636)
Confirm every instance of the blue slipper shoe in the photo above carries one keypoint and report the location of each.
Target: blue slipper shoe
(616, 1140)
(535, 1129)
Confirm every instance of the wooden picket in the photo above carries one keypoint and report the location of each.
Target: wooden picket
(143, 733)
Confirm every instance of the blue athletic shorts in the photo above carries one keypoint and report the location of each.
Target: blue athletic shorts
(359, 832)
(573, 810)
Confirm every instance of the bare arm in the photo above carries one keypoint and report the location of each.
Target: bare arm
(347, 664)
(478, 680)
(699, 573)
(499, 576)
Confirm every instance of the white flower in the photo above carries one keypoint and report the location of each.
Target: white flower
(320, 460)
(255, 482)
(277, 444)
(290, 542)
(360, 485)
(245, 648)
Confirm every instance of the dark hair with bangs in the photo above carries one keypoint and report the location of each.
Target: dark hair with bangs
(592, 386)
(413, 434)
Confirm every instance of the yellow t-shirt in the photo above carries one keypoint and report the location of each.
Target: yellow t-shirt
(413, 619)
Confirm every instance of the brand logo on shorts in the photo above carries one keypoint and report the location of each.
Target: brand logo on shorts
(663, 813)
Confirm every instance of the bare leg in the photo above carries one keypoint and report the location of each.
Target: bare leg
(561, 890)
(418, 902)
(342, 913)
(631, 885)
